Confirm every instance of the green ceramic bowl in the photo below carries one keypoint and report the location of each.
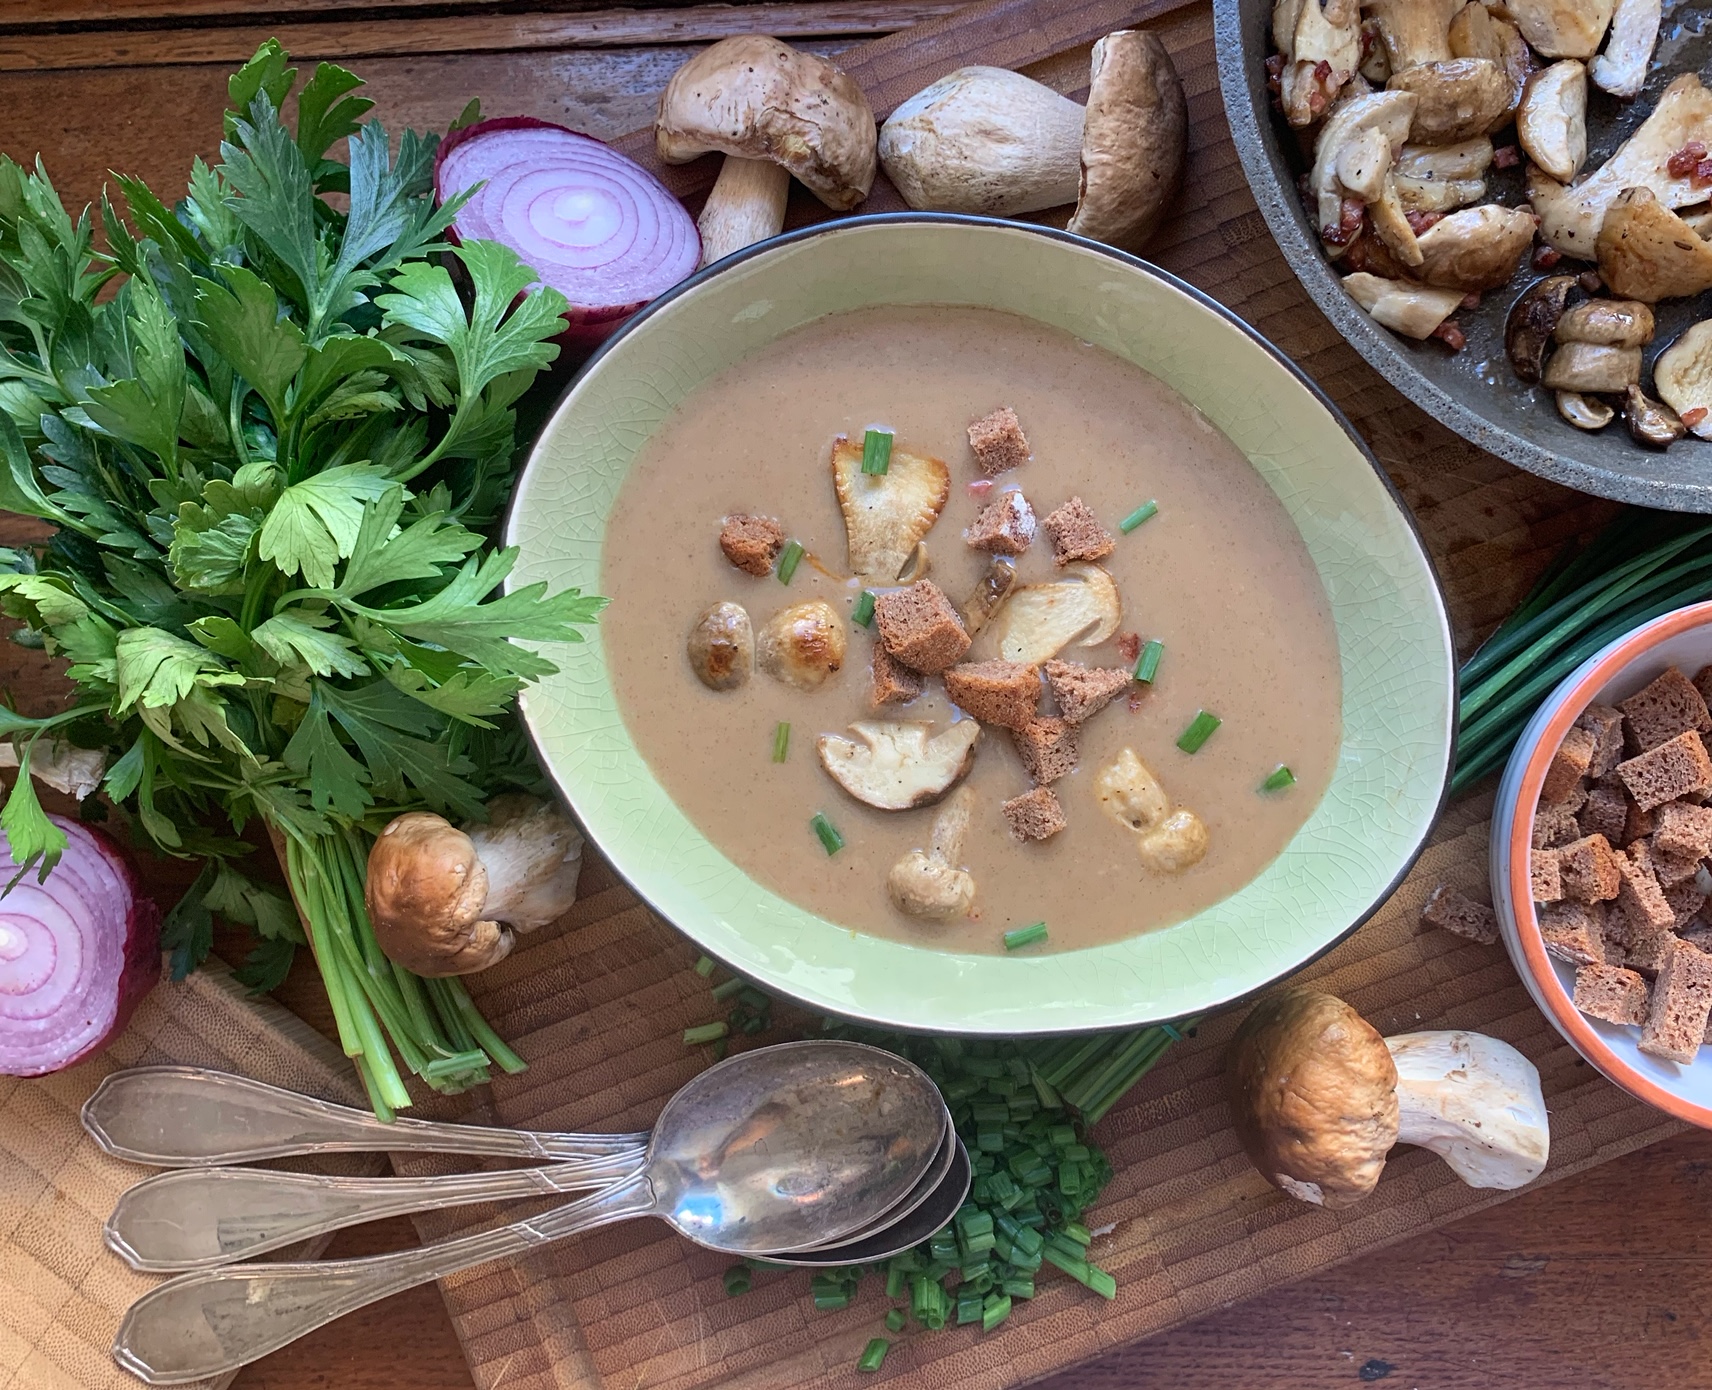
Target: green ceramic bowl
(1393, 636)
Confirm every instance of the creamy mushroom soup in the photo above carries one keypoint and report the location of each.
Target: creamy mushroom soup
(1218, 576)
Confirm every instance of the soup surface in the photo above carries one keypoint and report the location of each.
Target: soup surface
(1219, 575)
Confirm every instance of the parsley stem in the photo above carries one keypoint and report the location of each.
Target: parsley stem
(489, 1041)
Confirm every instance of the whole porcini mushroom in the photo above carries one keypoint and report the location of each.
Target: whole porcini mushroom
(1319, 1099)
(445, 900)
(929, 883)
(988, 140)
(775, 113)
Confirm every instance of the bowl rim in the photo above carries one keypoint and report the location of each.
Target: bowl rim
(1377, 346)
(1207, 303)
(1569, 701)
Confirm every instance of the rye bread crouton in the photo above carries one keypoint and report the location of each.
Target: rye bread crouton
(1452, 911)
(1035, 815)
(1554, 826)
(1076, 534)
(1640, 898)
(920, 627)
(752, 543)
(1637, 825)
(1669, 869)
(1681, 827)
(1685, 901)
(1605, 812)
(1005, 526)
(1080, 691)
(998, 442)
(1574, 932)
(1568, 766)
(1703, 683)
(995, 692)
(1611, 993)
(1667, 707)
(1544, 877)
(1605, 723)
(1048, 748)
(894, 683)
(1674, 769)
(1681, 1004)
(1588, 868)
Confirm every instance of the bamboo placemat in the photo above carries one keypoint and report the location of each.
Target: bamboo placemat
(62, 1292)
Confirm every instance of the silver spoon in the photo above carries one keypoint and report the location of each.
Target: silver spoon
(192, 1117)
(779, 1149)
(938, 1206)
(200, 1218)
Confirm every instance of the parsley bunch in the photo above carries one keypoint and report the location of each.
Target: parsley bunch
(270, 456)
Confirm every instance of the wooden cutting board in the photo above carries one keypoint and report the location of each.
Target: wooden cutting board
(61, 1292)
(1189, 1225)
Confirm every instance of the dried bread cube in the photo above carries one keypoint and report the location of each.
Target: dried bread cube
(1646, 954)
(1554, 826)
(1697, 933)
(998, 442)
(1588, 867)
(1605, 812)
(1670, 869)
(894, 683)
(1568, 766)
(1005, 526)
(1637, 825)
(1047, 747)
(1681, 1003)
(1574, 932)
(1611, 993)
(1681, 827)
(1453, 911)
(1543, 875)
(1666, 708)
(1076, 533)
(1703, 683)
(920, 627)
(1685, 899)
(1677, 768)
(1605, 723)
(1035, 815)
(1640, 897)
(1080, 691)
(995, 692)
(752, 543)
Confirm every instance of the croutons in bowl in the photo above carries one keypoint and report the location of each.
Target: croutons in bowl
(1601, 841)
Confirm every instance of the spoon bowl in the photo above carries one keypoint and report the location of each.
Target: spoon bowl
(937, 1206)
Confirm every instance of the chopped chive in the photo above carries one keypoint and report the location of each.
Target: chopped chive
(728, 989)
(1101, 1282)
(789, 559)
(995, 1310)
(828, 1300)
(895, 1320)
(737, 1280)
(876, 451)
(1279, 778)
(1147, 664)
(781, 742)
(828, 832)
(704, 966)
(1146, 510)
(1199, 731)
(708, 1032)
(873, 1354)
(1025, 936)
(863, 613)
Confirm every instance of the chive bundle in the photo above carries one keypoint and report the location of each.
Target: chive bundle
(876, 452)
(1146, 511)
(1641, 566)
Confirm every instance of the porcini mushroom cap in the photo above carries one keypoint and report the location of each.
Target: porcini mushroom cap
(425, 891)
(756, 98)
(1313, 1094)
(1133, 136)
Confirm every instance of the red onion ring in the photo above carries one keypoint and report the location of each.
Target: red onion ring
(77, 953)
(593, 223)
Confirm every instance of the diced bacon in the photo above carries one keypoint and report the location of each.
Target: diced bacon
(1545, 257)
(1349, 223)
(1505, 157)
(1451, 336)
(1471, 300)
(1129, 646)
(1420, 221)
(1703, 172)
(1693, 416)
(1685, 161)
(980, 487)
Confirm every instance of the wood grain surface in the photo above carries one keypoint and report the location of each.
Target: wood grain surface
(1599, 1280)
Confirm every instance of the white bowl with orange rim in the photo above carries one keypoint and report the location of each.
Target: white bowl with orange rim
(1682, 639)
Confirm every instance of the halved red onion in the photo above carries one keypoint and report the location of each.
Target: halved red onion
(77, 954)
(591, 222)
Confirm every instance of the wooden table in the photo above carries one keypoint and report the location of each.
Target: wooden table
(1604, 1279)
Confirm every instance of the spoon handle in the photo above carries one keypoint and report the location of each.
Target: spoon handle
(198, 1218)
(190, 1117)
(216, 1320)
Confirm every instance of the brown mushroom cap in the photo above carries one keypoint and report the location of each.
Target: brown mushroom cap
(426, 886)
(1313, 1093)
(756, 98)
(1133, 137)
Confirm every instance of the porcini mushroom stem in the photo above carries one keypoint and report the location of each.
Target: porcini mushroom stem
(745, 205)
(1474, 1101)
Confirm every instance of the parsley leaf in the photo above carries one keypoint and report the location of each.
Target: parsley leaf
(334, 778)
(298, 636)
(187, 932)
(240, 319)
(379, 557)
(314, 523)
(467, 696)
(155, 669)
(379, 718)
(31, 836)
(322, 118)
